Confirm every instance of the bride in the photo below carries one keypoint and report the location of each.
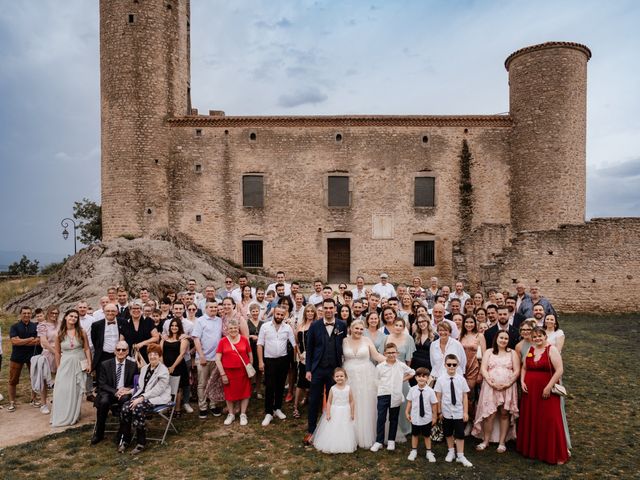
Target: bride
(358, 352)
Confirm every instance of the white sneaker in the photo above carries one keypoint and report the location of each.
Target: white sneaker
(391, 445)
(431, 457)
(243, 419)
(375, 447)
(187, 408)
(463, 460)
(278, 413)
(230, 418)
(267, 419)
(451, 454)
(45, 410)
(412, 455)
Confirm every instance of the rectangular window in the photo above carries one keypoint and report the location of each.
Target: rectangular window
(339, 192)
(424, 194)
(424, 253)
(253, 191)
(252, 253)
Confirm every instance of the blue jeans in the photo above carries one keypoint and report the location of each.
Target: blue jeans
(384, 404)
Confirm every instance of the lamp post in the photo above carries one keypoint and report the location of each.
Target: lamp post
(65, 232)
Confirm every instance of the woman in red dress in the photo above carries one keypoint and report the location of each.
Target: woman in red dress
(234, 352)
(540, 429)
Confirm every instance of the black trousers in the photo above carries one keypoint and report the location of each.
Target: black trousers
(103, 404)
(321, 379)
(275, 378)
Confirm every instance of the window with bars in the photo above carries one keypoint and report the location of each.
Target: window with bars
(252, 254)
(425, 192)
(424, 253)
(338, 187)
(253, 191)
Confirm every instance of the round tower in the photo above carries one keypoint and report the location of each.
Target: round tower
(548, 105)
(144, 78)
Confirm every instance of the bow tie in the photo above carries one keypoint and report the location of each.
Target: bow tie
(329, 324)
(111, 323)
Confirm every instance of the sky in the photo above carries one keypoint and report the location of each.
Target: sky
(301, 57)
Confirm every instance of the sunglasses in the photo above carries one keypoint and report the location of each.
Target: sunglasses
(192, 309)
(121, 349)
(452, 364)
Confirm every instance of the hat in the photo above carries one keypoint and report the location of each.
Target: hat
(384, 275)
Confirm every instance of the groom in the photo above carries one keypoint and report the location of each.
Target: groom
(324, 354)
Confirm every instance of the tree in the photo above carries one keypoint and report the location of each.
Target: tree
(24, 267)
(53, 267)
(89, 216)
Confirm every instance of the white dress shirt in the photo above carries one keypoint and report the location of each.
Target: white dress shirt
(385, 290)
(274, 340)
(390, 379)
(443, 386)
(111, 337)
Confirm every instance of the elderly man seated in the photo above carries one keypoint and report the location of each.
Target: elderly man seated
(115, 385)
(153, 389)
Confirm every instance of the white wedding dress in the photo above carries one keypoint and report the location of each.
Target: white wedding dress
(338, 434)
(361, 376)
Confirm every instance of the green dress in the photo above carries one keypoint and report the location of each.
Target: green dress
(70, 384)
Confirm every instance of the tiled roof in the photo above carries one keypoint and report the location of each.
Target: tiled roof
(542, 46)
(343, 121)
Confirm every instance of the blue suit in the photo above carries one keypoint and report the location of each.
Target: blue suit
(322, 375)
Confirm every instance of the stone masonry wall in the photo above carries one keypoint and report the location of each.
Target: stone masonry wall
(295, 222)
(593, 267)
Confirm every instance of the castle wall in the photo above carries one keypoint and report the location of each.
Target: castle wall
(295, 221)
(594, 267)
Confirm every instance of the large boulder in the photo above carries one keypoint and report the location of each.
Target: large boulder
(157, 263)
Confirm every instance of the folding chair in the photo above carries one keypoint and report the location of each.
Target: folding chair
(168, 409)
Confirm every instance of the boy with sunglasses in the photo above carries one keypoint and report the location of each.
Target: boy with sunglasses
(451, 390)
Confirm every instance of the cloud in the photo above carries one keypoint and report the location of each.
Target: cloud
(629, 168)
(282, 23)
(613, 191)
(309, 95)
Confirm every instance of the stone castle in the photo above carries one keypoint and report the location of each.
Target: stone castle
(492, 199)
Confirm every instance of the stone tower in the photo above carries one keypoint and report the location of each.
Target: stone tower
(548, 103)
(144, 79)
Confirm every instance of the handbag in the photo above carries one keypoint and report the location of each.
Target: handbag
(558, 388)
(247, 366)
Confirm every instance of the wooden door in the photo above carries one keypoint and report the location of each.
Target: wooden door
(338, 260)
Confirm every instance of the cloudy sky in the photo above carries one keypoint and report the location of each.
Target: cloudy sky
(295, 58)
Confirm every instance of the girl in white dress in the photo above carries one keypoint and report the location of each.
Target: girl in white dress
(336, 432)
(359, 352)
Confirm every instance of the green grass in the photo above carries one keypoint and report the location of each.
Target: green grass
(602, 370)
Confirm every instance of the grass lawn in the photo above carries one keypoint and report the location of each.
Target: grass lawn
(602, 369)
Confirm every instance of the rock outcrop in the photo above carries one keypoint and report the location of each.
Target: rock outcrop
(157, 263)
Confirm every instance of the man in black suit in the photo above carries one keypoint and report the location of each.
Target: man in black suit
(324, 354)
(123, 305)
(502, 324)
(104, 336)
(115, 385)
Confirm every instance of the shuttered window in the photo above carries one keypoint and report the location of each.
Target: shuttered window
(253, 191)
(252, 254)
(424, 194)
(339, 192)
(424, 253)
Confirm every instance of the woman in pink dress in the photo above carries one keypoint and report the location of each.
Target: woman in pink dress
(498, 401)
(474, 346)
(47, 333)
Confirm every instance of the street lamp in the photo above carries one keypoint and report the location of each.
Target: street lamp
(65, 232)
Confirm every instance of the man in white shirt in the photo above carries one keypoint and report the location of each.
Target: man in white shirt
(209, 296)
(384, 288)
(261, 302)
(274, 362)
(206, 335)
(316, 297)
(99, 313)
(192, 288)
(459, 293)
(280, 278)
(438, 316)
(359, 292)
(225, 291)
(86, 321)
(298, 310)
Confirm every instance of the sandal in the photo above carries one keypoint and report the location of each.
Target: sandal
(296, 413)
(501, 448)
(481, 446)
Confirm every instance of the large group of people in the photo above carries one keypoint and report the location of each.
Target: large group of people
(372, 366)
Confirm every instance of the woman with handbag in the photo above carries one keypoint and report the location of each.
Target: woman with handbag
(73, 360)
(309, 315)
(541, 432)
(234, 361)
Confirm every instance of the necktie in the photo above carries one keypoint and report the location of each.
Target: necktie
(118, 374)
(453, 392)
(421, 404)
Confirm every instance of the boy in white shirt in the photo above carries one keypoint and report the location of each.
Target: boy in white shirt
(451, 390)
(391, 374)
(422, 413)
